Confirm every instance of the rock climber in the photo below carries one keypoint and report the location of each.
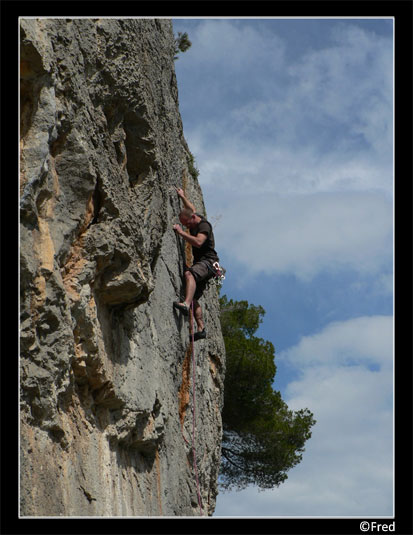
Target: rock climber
(201, 237)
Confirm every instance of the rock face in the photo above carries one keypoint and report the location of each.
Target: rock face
(106, 366)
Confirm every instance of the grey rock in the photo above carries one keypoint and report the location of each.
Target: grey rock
(106, 367)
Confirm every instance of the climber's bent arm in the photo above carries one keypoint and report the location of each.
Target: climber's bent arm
(186, 202)
(195, 241)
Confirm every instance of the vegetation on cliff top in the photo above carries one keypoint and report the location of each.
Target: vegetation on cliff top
(182, 43)
(262, 438)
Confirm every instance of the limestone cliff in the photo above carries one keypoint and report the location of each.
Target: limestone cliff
(105, 362)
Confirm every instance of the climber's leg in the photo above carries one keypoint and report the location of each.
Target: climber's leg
(198, 316)
(190, 288)
(201, 333)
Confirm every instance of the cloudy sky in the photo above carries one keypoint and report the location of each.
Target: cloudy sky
(291, 125)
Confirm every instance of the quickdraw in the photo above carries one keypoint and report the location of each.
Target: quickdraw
(218, 272)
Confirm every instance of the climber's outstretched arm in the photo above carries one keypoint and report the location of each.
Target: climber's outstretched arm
(186, 202)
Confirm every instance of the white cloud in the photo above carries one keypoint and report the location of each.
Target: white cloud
(269, 167)
(233, 47)
(321, 122)
(346, 379)
(347, 468)
(293, 140)
(358, 340)
(349, 82)
(304, 235)
(273, 145)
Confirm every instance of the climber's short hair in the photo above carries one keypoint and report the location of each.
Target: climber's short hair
(186, 216)
(186, 213)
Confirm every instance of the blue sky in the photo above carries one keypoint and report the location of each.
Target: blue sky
(291, 125)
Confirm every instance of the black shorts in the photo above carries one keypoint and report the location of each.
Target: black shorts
(202, 274)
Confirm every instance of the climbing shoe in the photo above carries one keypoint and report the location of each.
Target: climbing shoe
(200, 334)
(183, 307)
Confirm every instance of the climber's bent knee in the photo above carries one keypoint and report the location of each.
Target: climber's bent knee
(189, 275)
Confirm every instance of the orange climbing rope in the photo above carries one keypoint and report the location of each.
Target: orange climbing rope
(194, 408)
(187, 254)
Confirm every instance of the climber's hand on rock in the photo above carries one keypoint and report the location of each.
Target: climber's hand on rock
(178, 229)
(180, 192)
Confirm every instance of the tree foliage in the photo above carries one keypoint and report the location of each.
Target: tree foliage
(262, 438)
(182, 43)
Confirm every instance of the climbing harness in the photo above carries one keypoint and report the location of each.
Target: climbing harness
(194, 409)
(218, 272)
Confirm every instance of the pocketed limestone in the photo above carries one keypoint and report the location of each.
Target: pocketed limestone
(103, 362)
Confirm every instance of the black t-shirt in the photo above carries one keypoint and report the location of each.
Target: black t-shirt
(207, 250)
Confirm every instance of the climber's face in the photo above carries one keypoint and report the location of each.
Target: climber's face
(188, 222)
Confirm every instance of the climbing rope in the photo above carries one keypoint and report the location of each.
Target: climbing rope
(194, 408)
(183, 251)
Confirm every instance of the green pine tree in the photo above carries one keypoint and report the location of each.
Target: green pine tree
(262, 438)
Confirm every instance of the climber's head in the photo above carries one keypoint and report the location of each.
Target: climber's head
(188, 218)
